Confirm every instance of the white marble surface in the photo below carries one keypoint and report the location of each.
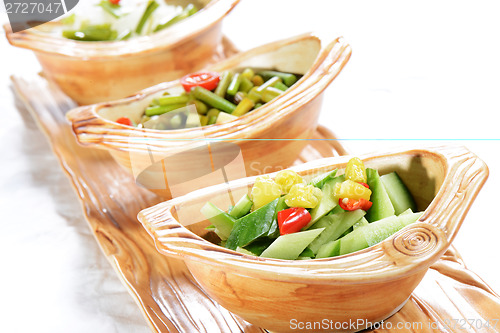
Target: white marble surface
(421, 73)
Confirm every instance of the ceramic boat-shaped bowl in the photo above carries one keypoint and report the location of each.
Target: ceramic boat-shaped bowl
(362, 287)
(264, 140)
(92, 72)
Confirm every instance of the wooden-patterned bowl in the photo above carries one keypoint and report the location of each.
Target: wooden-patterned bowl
(344, 293)
(92, 72)
(265, 140)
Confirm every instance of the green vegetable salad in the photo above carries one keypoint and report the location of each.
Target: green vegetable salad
(217, 97)
(112, 20)
(287, 218)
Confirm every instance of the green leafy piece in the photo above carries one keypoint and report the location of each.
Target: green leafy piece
(252, 226)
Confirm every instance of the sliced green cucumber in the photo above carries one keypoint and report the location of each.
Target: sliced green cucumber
(222, 221)
(242, 207)
(327, 202)
(330, 249)
(338, 224)
(290, 246)
(382, 205)
(375, 232)
(252, 226)
(274, 230)
(320, 180)
(380, 230)
(400, 197)
(362, 222)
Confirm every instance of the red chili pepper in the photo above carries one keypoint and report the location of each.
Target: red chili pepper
(364, 184)
(293, 219)
(124, 121)
(114, 2)
(207, 80)
(353, 204)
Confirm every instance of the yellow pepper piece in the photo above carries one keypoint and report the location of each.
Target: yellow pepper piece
(302, 195)
(264, 191)
(351, 190)
(287, 178)
(355, 170)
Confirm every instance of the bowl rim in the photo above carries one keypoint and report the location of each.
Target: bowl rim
(464, 172)
(177, 34)
(92, 129)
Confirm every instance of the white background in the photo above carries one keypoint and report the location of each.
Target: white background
(421, 73)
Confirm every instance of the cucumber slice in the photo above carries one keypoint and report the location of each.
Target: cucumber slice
(361, 223)
(320, 180)
(338, 224)
(274, 230)
(222, 221)
(327, 202)
(242, 207)
(330, 249)
(380, 230)
(398, 193)
(252, 226)
(290, 246)
(375, 232)
(382, 205)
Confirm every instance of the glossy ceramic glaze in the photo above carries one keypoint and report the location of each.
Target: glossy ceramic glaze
(362, 287)
(267, 139)
(91, 72)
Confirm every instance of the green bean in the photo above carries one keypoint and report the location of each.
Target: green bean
(281, 86)
(269, 83)
(245, 84)
(150, 8)
(224, 82)
(248, 73)
(234, 85)
(172, 99)
(257, 80)
(201, 107)
(258, 105)
(92, 33)
(203, 120)
(161, 109)
(212, 113)
(254, 95)
(287, 78)
(245, 105)
(212, 120)
(212, 99)
(270, 93)
(239, 97)
(186, 12)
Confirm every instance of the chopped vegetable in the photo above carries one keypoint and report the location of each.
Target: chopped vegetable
(124, 121)
(150, 8)
(301, 195)
(207, 80)
(284, 226)
(118, 16)
(264, 191)
(293, 219)
(231, 93)
(353, 204)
